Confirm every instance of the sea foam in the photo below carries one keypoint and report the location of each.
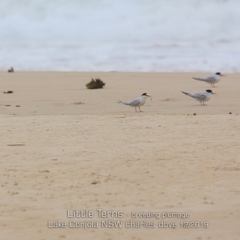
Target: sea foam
(107, 35)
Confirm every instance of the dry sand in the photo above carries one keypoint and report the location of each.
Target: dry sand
(67, 147)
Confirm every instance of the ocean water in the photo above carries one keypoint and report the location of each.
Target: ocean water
(120, 35)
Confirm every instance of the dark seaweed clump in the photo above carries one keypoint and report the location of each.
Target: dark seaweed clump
(95, 83)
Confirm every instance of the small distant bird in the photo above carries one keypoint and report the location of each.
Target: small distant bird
(138, 102)
(11, 69)
(201, 96)
(212, 79)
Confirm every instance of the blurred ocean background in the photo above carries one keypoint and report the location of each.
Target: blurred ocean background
(120, 35)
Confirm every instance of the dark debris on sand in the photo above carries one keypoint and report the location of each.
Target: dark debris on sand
(95, 84)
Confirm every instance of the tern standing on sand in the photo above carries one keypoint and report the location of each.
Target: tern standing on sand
(212, 79)
(201, 96)
(138, 102)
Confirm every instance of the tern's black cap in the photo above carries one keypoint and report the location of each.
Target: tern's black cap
(144, 94)
(209, 91)
(218, 73)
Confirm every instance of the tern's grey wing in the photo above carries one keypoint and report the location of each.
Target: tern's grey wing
(200, 96)
(135, 102)
(211, 78)
(207, 79)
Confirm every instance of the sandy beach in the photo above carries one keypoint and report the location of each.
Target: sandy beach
(64, 147)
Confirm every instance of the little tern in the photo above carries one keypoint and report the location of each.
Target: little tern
(201, 96)
(138, 102)
(211, 79)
